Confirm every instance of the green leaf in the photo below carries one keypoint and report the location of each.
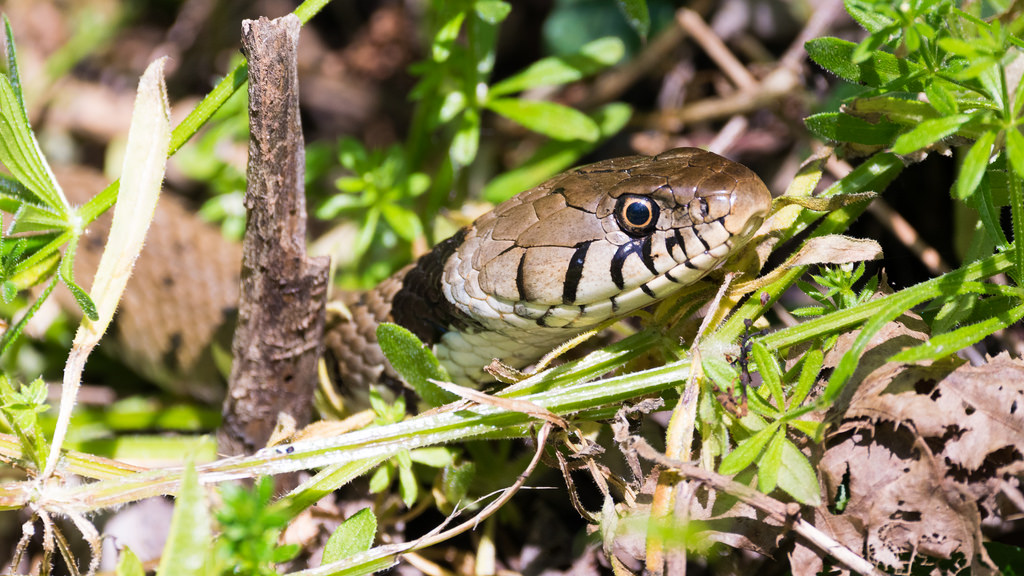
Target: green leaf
(769, 370)
(285, 553)
(408, 488)
(128, 564)
(556, 70)
(414, 362)
(929, 132)
(403, 221)
(840, 127)
(492, 11)
(445, 38)
(12, 333)
(809, 371)
(880, 69)
(636, 15)
(899, 110)
(952, 342)
(380, 479)
(453, 103)
(467, 139)
(433, 456)
(21, 155)
(747, 450)
(547, 118)
(555, 156)
(769, 463)
(8, 291)
(873, 174)
(941, 98)
(723, 374)
(339, 203)
(988, 212)
(974, 166)
(351, 537)
(867, 15)
(36, 268)
(12, 63)
(1015, 150)
(456, 480)
(796, 476)
(190, 536)
(67, 276)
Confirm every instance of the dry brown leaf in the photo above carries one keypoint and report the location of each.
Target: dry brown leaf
(835, 249)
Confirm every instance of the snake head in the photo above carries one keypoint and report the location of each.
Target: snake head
(608, 238)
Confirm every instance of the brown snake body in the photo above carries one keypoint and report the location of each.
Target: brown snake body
(591, 244)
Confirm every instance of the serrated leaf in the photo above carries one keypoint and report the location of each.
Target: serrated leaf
(797, 477)
(354, 535)
(190, 535)
(636, 15)
(952, 342)
(840, 127)
(414, 362)
(974, 166)
(929, 132)
(770, 461)
(747, 450)
(547, 118)
(880, 69)
(556, 70)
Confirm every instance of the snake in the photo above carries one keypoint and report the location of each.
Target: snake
(591, 244)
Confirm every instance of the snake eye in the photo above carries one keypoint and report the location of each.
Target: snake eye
(636, 215)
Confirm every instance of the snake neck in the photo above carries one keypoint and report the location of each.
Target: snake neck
(419, 304)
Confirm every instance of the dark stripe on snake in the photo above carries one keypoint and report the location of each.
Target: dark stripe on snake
(647, 256)
(574, 272)
(702, 241)
(520, 288)
(619, 260)
(647, 290)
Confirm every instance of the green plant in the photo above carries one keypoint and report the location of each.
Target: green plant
(250, 522)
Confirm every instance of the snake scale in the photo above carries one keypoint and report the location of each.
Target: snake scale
(590, 244)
